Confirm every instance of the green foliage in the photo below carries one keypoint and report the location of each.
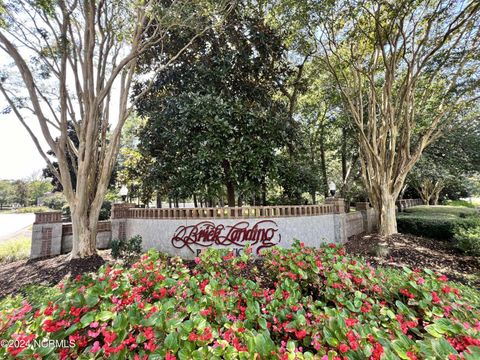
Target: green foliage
(467, 235)
(314, 303)
(54, 201)
(441, 228)
(105, 210)
(15, 249)
(32, 209)
(128, 250)
(437, 222)
(37, 295)
(6, 193)
(214, 120)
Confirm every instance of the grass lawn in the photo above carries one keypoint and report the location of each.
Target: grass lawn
(443, 211)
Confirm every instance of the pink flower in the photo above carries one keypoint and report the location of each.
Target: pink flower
(96, 347)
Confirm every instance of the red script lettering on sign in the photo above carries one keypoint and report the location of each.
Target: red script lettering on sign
(206, 233)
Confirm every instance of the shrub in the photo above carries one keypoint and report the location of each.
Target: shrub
(15, 249)
(441, 228)
(436, 222)
(105, 211)
(310, 304)
(467, 235)
(127, 250)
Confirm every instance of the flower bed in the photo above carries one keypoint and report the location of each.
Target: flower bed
(301, 303)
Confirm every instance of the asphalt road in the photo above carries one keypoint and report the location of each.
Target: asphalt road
(12, 224)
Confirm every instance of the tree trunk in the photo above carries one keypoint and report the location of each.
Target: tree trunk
(323, 164)
(230, 194)
(264, 192)
(387, 221)
(159, 201)
(84, 227)
(195, 204)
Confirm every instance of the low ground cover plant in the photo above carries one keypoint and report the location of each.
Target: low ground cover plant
(15, 249)
(299, 303)
(128, 250)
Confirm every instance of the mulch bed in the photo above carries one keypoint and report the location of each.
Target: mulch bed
(417, 252)
(46, 271)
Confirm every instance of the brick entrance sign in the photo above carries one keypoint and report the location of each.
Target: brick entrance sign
(185, 232)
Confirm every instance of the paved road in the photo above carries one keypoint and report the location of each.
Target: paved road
(12, 224)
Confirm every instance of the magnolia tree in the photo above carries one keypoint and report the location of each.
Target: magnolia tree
(405, 70)
(76, 61)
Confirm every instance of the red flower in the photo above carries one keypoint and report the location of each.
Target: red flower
(442, 278)
(435, 298)
(377, 352)
(446, 289)
(411, 356)
(351, 322)
(109, 336)
(366, 307)
(300, 334)
(170, 356)
(192, 337)
(343, 348)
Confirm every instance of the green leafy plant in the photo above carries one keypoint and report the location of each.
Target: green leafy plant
(15, 249)
(128, 250)
(467, 235)
(312, 303)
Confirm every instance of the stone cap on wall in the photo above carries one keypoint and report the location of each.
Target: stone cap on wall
(48, 217)
(223, 212)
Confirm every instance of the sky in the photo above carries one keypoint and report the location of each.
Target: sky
(19, 157)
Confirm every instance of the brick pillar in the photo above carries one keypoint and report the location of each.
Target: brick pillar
(338, 204)
(362, 206)
(46, 234)
(119, 220)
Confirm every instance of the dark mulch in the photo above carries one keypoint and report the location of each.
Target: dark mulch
(418, 252)
(46, 271)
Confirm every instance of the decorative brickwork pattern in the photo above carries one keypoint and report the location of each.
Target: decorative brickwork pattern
(48, 217)
(103, 226)
(122, 232)
(46, 249)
